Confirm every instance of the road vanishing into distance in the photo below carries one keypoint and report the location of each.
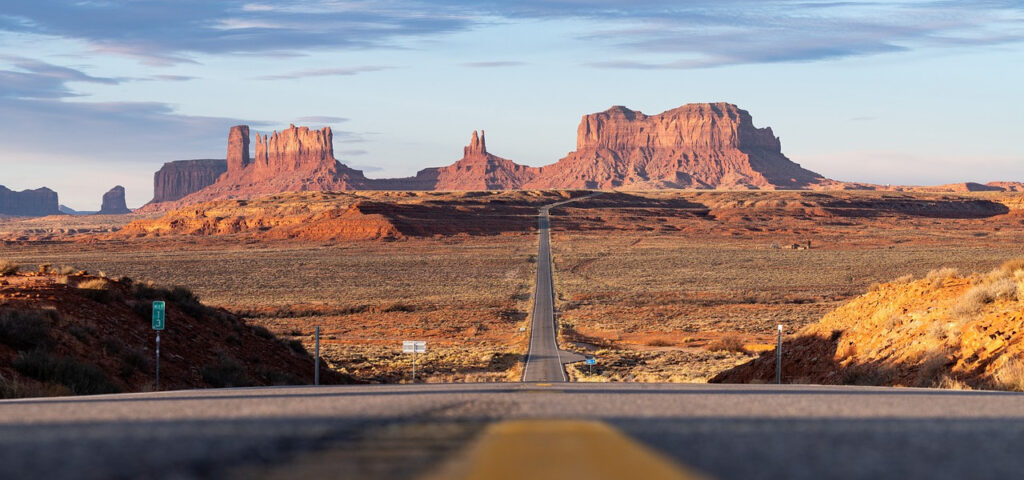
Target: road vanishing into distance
(542, 428)
(545, 362)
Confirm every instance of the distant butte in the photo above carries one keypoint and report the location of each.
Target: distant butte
(696, 146)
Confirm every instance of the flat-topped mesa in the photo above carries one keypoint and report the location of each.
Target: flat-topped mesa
(477, 145)
(700, 145)
(179, 178)
(698, 126)
(294, 149)
(28, 203)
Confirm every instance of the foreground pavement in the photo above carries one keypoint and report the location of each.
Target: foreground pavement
(415, 431)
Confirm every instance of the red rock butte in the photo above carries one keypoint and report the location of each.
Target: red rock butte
(703, 146)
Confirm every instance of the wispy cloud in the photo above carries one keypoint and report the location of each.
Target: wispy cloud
(161, 32)
(504, 63)
(29, 78)
(692, 34)
(325, 72)
(321, 119)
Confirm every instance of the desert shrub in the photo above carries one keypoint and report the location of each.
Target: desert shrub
(904, 279)
(26, 329)
(274, 376)
(262, 332)
(866, 375)
(227, 372)
(97, 289)
(978, 296)
(45, 268)
(950, 383)
(1012, 266)
(938, 276)
(727, 343)
(938, 330)
(112, 345)
(400, 307)
(296, 346)
(934, 367)
(15, 389)
(1011, 375)
(659, 342)
(8, 267)
(137, 359)
(80, 378)
(81, 332)
(65, 270)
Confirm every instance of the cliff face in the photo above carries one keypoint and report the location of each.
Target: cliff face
(705, 145)
(113, 202)
(28, 203)
(295, 159)
(179, 178)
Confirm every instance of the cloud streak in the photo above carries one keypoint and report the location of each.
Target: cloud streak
(699, 33)
(326, 72)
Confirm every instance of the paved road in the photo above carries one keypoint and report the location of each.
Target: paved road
(402, 431)
(545, 362)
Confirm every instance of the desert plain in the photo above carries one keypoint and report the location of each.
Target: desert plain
(668, 285)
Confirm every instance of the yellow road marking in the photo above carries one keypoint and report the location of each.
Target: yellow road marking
(560, 449)
(542, 384)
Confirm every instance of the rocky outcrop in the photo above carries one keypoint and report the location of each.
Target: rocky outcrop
(703, 145)
(113, 202)
(179, 178)
(706, 145)
(295, 159)
(28, 203)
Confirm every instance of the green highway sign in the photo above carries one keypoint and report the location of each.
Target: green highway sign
(158, 315)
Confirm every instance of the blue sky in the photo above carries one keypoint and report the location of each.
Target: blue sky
(98, 93)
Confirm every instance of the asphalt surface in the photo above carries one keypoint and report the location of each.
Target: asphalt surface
(411, 431)
(545, 362)
(404, 431)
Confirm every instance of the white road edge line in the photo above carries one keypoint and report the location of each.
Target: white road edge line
(529, 347)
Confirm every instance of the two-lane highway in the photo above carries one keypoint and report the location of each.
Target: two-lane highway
(545, 362)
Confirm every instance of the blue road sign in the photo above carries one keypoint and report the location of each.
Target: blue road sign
(591, 361)
(158, 315)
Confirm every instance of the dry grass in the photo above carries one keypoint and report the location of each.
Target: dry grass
(8, 267)
(971, 303)
(467, 298)
(727, 343)
(1011, 376)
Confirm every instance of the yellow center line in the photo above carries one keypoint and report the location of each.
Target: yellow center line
(560, 449)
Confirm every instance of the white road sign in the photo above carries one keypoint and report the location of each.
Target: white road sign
(409, 346)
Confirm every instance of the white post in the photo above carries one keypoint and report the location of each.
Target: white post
(316, 361)
(778, 358)
(158, 360)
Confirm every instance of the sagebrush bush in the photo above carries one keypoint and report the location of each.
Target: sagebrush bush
(938, 276)
(26, 329)
(1011, 376)
(80, 378)
(980, 295)
(227, 372)
(8, 267)
(97, 289)
(727, 343)
(1012, 266)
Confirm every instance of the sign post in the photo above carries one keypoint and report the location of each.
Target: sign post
(159, 322)
(316, 362)
(591, 361)
(778, 358)
(414, 347)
